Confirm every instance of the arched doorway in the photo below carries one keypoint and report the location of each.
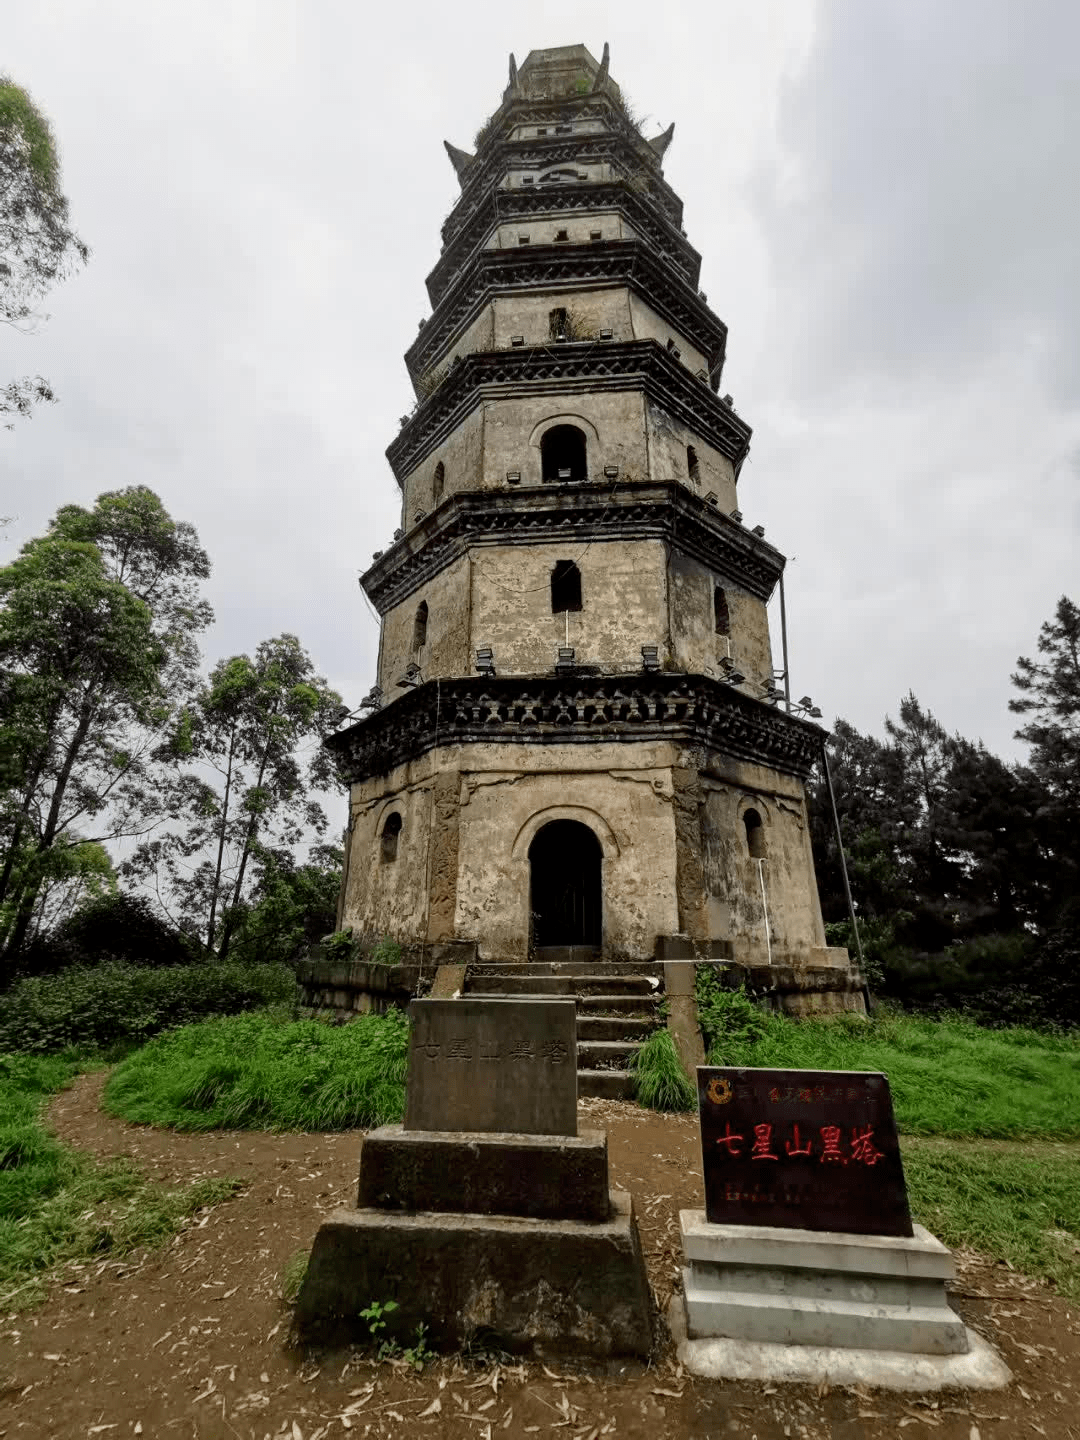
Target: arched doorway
(565, 891)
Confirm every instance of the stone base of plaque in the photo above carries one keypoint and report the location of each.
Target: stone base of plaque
(546, 1177)
(535, 1285)
(799, 1304)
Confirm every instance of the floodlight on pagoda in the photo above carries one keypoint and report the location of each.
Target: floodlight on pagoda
(650, 657)
(485, 660)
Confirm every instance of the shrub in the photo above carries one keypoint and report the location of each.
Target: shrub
(265, 1072)
(730, 1021)
(661, 1080)
(111, 927)
(116, 1003)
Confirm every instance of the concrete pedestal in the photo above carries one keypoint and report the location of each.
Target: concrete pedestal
(799, 1304)
(538, 1285)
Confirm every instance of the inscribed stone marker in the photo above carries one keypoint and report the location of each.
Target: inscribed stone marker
(806, 1149)
(493, 1065)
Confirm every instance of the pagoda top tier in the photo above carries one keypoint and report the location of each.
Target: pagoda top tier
(565, 70)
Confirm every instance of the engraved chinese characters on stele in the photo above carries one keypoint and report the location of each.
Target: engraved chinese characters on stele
(805, 1149)
(493, 1065)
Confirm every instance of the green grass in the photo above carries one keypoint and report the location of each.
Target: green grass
(947, 1077)
(660, 1081)
(1024, 1209)
(58, 1207)
(262, 1071)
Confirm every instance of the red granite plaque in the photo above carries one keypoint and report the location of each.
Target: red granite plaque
(807, 1149)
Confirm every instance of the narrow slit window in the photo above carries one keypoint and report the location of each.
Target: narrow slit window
(565, 587)
(419, 632)
(391, 832)
(557, 326)
(693, 465)
(755, 834)
(438, 481)
(720, 611)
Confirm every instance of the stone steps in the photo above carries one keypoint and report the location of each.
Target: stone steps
(616, 1010)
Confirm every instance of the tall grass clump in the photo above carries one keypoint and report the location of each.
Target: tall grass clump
(947, 1076)
(117, 1003)
(263, 1071)
(57, 1206)
(660, 1081)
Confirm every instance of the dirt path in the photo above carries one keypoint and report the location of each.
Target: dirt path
(187, 1342)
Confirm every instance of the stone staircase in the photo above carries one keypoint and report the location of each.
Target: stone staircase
(617, 1007)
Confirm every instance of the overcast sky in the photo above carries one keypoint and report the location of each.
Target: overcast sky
(884, 194)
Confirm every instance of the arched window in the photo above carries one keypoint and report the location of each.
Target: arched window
(419, 629)
(562, 453)
(565, 587)
(755, 834)
(437, 483)
(390, 831)
(692, 465)
(720, 611)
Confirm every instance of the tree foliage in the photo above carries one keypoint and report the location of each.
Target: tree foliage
(242, 787)
(38, 247)
(98, 626)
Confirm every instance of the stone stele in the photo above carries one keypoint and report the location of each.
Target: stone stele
(512, 1231)
(493, 1065)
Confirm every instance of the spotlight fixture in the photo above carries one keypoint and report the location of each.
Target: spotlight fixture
(398, 533)
(412, 677)
(403, 420)
(563, 474)
(729, 402)
(485, 660)
(513, 477)
(372, 700)
(377, 555)
(517, 339)
(565, 660)
(806, 702)
(611, 472)
(419, 516)
(759, 531)
(710, 498)
(607, 334)
(736, 515)
(650, 657)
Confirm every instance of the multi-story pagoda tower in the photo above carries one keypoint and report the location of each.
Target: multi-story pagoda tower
(575, 737)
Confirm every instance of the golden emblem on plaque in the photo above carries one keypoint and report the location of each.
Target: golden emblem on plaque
(719, 1091)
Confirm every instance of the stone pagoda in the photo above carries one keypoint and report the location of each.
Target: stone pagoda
(576, 738)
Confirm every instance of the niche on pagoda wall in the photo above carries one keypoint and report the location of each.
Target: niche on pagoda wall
(436, 637)
(612, 420)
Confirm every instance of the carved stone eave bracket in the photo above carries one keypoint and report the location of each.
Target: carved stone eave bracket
(527, 202)
(550, 710)
(599, 265)
(598, 365)
(542, 515)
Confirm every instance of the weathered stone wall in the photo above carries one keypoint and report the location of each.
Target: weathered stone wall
(479, 806)
(648, 325)
(733, 886)
(462, 456)
(446, 651)
(695, 644)
(542, 229)
(668, 439)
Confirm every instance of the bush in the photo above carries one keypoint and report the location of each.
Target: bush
(730, 1021)
(112, 927)
(661, 1080)
(116, 1003)
(264, 1072)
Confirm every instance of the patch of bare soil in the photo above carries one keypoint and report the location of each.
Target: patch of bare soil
(187, 1342)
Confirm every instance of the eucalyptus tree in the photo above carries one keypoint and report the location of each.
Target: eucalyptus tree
(249, 763)
(98, 627)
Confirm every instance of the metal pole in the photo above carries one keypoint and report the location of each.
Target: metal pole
(843, 870)
(783, 641)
